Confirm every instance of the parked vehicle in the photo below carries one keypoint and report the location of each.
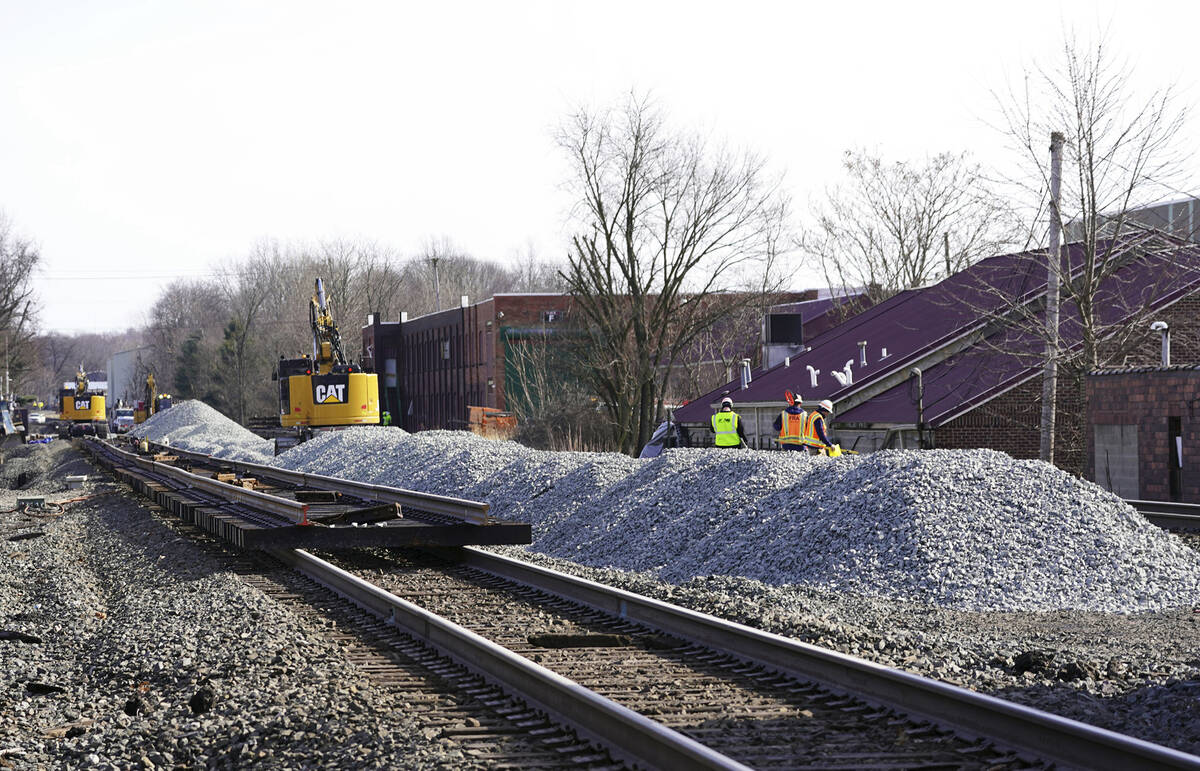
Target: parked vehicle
(122, 420)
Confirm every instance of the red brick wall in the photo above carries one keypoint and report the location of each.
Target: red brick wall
(1148, 400)
(1012, 422)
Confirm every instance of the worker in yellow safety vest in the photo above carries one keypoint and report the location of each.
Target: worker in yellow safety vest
(791, 423)
(815, 437)
(727, 426)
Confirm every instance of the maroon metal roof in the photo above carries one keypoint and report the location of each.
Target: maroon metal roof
(914, 323)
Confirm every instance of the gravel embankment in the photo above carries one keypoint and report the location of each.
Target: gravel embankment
(195, 426)
(1002, 575)
(968, 530)
(125, 645)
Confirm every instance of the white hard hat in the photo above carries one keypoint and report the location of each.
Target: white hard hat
(727, 400)
(826, 405)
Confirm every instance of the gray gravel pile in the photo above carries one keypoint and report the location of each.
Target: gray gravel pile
(193, 425)
(126, 646)
(972, 530)
(543, 488)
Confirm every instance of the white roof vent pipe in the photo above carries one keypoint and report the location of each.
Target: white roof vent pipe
(812, 374)
(1162, 328)
(882, 354)
(745, 374)
(862, 353)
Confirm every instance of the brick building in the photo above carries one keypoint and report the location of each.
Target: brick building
(958, 365)
(432, 367)
(1144, 433)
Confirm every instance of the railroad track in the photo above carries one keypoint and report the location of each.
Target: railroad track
(610, 676)
(1171, 516)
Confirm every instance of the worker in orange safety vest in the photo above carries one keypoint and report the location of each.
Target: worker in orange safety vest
(815, 437)
(790, 424)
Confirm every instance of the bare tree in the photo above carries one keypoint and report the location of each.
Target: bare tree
(19, 258)
(247, 286)
(665, 225)
(183, 309)
(1120, 153)
(531, 274)
(902, 225)
(554, 407)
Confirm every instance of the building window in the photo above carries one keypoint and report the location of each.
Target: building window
(550, 317)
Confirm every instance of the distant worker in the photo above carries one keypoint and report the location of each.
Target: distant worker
(727, 426)
(815, 436)
(790, 424)
(385, 418)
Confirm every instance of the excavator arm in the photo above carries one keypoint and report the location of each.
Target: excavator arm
(327, 341)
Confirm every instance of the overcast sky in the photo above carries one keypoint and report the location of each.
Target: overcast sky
(142, 141)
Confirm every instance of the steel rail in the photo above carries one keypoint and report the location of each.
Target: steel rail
(1028, 731)
(472, 512)
(285, 508)
(1169, 514)
(627, 735)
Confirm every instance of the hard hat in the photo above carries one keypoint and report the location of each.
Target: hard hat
(727, 400)
(826, 405)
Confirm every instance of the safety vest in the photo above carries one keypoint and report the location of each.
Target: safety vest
(810, 430)
(725, 427)
(791, 427)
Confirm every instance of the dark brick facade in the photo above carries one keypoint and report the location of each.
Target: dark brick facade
(433, 367)
(1011, 422)
(1155, 401)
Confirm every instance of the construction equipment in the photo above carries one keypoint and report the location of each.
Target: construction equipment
(81, 409)
(152, 402)
(325, 389)
(491, 423)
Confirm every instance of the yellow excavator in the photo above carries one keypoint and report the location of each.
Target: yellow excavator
(153, 402)
(81, 410)
(325, 389)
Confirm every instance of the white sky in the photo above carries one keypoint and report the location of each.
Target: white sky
(157, 139)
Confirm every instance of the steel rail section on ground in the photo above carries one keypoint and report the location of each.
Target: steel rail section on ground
(1169, 514)
(473, 512)
(293, 511)
(629, 736)
(1023, 729)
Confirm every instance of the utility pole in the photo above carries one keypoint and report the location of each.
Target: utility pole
(437, 287)
(1053, 269)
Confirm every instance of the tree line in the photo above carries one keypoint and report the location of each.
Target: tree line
(672, 236)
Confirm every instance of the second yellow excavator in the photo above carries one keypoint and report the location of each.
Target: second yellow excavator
(326, 389)
(81, 409)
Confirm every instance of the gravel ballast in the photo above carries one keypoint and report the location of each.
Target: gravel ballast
(195, 426)
(126, 646)
(1050, 639)
(967, 530)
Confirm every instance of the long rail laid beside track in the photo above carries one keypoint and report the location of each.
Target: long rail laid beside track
(659, 686)
(1170, 515)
